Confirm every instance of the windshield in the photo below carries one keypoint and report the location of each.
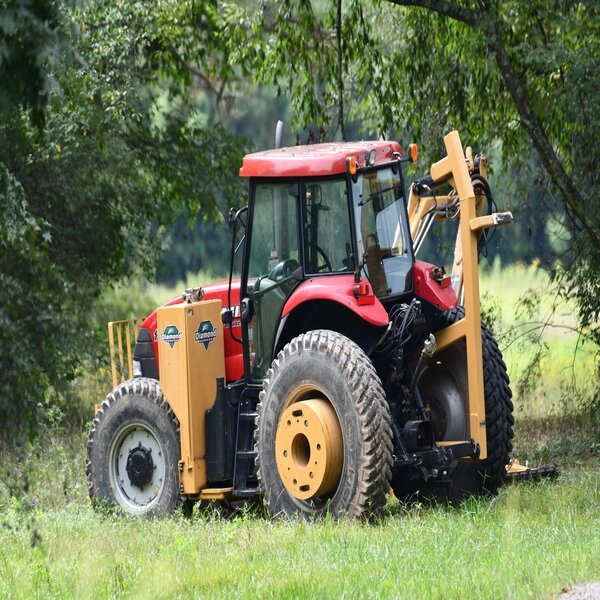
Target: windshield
(382, 232)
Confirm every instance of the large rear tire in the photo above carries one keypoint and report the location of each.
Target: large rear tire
(133, 451)
(444, 389)
(322, 397)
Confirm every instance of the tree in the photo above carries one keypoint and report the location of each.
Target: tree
(85, 200)
(31, 44)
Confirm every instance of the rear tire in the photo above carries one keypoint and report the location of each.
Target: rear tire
(133, 451)
(468, 476)
(336, 370)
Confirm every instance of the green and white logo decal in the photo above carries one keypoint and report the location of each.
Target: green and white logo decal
(171, 335)
(205, 333)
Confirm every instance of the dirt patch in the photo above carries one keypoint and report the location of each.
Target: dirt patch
(582, 591)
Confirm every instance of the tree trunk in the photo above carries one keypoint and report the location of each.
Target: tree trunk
(487, 21)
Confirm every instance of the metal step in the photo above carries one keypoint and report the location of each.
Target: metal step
(249, 416)
(246, 453)
(246, 492)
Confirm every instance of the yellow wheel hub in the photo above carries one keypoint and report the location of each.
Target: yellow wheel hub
(309, 448)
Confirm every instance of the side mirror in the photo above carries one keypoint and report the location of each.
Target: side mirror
(231, 218)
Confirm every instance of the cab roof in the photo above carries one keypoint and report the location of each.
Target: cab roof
(314, 159)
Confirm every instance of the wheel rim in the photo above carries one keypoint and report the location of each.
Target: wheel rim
(309, 445)
(443, 399)
(137, 467)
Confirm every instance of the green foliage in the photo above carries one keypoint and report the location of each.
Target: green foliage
(143, 105)
(31, 44)
(551, 360)
(33, 317)
(86, 200)
(519, 72)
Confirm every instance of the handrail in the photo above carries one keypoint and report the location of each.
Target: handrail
(121, 359)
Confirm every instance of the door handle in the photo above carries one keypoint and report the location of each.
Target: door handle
(246, 309)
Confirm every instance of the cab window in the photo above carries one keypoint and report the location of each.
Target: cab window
(327, 230)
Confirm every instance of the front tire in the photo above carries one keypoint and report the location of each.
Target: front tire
(329, 383)
(133, 451)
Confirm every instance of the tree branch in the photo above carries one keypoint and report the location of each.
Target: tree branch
(487, 22)
(338, 28)
(532, 124)
(442, 7)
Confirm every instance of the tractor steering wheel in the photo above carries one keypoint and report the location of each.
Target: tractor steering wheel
(324, 256)
(283, 270)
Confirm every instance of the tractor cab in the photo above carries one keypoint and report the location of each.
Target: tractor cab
(317, 213)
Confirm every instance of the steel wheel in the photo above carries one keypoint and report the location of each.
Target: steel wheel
(133, 450)
(309, 445)
(137, 467)
(323, 437)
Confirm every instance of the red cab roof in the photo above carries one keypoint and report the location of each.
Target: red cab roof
(313, 160)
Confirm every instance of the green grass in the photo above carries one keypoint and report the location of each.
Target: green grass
(528, 542)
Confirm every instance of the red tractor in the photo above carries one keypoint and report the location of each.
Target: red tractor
(337, 366)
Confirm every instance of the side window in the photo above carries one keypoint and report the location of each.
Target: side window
(274, 229)
(384, 192)
(327, 233)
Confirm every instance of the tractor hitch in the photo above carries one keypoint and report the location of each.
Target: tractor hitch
(435, 462)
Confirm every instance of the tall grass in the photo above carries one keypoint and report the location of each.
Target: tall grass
(528, 542)
(554, 368)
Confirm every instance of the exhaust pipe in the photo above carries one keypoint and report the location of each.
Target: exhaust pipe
(278, 134)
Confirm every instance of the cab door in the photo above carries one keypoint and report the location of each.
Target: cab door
(271, 264)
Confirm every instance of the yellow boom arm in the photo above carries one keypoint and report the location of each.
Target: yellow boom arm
(455, 170)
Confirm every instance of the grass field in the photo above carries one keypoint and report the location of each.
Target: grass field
(528, 542)
(552, 366)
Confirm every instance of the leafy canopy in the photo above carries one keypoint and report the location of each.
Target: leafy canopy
(85, 200)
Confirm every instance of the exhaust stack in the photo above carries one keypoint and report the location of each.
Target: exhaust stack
(278, 134)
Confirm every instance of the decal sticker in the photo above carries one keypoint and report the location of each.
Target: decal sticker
(171, 335)
(205, 333)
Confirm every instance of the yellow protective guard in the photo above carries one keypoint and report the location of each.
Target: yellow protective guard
(191, 358)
